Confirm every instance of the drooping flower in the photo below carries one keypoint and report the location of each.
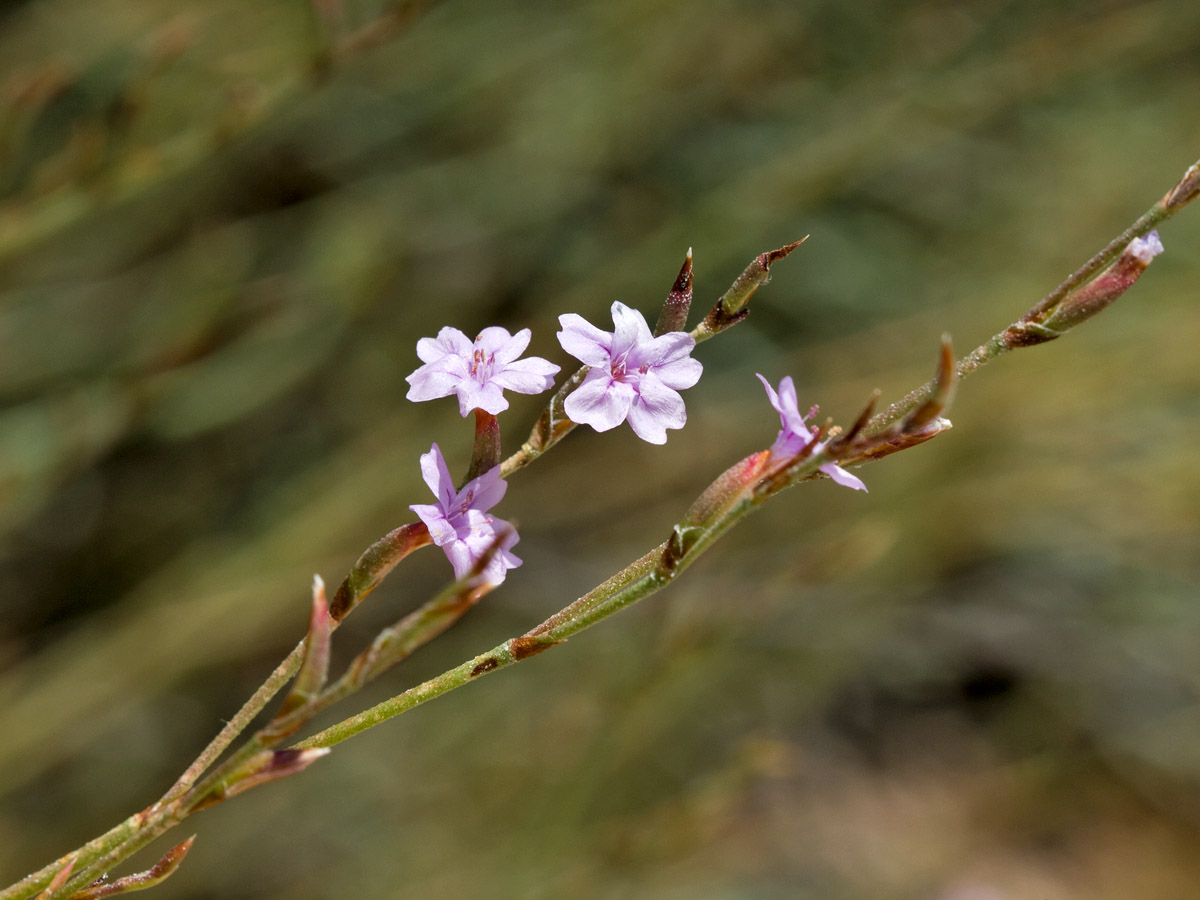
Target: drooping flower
(459, 523)
(478, 371)
(796, 434)
(633, 375)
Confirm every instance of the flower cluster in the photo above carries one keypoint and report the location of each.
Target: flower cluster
(631, 376)
(634, 376)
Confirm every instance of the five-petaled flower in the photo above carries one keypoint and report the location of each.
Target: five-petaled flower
(796, 435)
(459, 523)
(478, 371)
(633, 375)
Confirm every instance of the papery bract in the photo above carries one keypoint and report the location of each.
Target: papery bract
(459, 523)
(633, 375)
(478, 371)
(795, 435)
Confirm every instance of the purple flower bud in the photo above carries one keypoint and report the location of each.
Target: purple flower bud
(633, 374)
(1101, 291)
(796, 436)
(458, 522)
(1145, 249)
(478, 372)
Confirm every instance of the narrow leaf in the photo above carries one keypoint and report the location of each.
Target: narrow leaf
(944, 383)
(374, 565)
(269, 765)
(156, 874)
(731, 308)
(315, 666)
(58, 881)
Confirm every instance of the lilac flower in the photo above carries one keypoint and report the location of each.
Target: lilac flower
(1145, 249)
(458, 522)
(796, 435)
(478, 372)
(634, 375)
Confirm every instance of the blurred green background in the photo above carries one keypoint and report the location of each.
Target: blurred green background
(979, 682)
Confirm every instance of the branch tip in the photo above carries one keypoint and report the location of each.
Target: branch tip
(1185, 191)
(944, 383)
(679, 301)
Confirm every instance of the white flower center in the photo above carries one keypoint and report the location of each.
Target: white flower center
(481, 365)
(621, 371)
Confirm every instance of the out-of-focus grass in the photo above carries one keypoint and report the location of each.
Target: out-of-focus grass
(980, 680)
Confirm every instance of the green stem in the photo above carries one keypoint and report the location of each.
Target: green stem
(235, 726)
(641, 579)
(648, 575)
(1174, 200)
(391, 647)
(132, 844)
(1146, 223)
(977, 358)
(33, 883)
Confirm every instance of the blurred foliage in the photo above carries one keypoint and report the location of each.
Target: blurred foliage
(218, 246)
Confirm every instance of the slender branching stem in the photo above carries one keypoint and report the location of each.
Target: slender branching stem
(736, 494)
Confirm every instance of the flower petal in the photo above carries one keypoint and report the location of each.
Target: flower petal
(842, 477)
(439, 526)
(656, 409)
(584, 341)
(437, 476)
(461, 557)
(503, 346)
(483, 492)
(503, 560)
(527, 376)
(599, 401)
(630, 329)
(487, 396)
(664, 349)
(430, 382)
(449, 341)
(679, 374)
(771, 395)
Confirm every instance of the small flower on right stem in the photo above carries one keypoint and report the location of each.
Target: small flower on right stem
(796, 435)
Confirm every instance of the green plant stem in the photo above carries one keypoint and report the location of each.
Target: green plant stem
(131, 845)
(641, 579)
(1147, 222)
(499, 657)
(391, 647)
(646, 576)
(235, 726)
(93, 849)
(1160, 212)
(977, 358)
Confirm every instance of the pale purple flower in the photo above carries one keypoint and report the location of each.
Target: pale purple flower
(633, 375)
(459, 523)
(478, 371)
(1145, 249)
(796, 434)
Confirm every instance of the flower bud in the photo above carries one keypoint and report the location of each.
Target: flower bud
(731, 308)
(675, 311)
(1185, 192)
(1090, 299)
